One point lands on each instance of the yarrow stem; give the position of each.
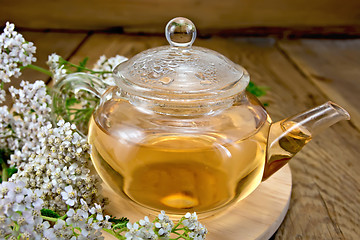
(38, 68)
(82, 68)
(178, 224)
(65, 62)
(4, 175)
(114, 233)
(50, 219)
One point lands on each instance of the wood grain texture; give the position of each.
(325, 198)
(256, 217)
(333, 66)
(112, 44)
(152, 15)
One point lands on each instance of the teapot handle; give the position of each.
(65, 93)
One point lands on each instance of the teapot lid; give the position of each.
(181, 71)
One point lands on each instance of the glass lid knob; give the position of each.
(180, 32)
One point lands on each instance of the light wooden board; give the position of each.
(324, 202)
(333, 66)
(152, 15)
(256, 217)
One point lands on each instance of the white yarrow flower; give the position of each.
(108, 65)
(132, 233)
(98, 211)
(164, 224)
(58, 71)
(69, 195)
(198, 230)
(191, 220)
(15, 52)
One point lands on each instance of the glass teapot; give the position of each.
(178, 132)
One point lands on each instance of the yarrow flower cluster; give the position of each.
(54, 173)
(6, 132)
(198, 230)
(164, 225)
(31, 112)
(103, 68)
(107, 65)
(56, 68)
(48, 187)
(15, 52)
(62, 169)
(22, 216)
(162, 228)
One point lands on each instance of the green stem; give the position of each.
(50, 219)
(79, 109)
(113, 233)
(120, 230)
(184, 228)
(39, 69)
(178, 224)
(17, 227)
(181, 236)
(85, 68)
(185, 237)
(4, 175)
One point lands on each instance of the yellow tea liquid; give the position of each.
(287, 138)
(177, 172)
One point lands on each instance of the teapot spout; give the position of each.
(288, 136)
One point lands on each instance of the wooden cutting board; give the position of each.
(256, 217)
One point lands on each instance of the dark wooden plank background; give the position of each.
(210, 16)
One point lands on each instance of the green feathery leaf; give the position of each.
(71, 101)
(83, 63)
(258, 91)
(49, 213)
(118, 223)
(11, 171)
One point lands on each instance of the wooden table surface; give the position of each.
(300, 74)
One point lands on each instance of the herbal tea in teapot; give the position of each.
(178, 169)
